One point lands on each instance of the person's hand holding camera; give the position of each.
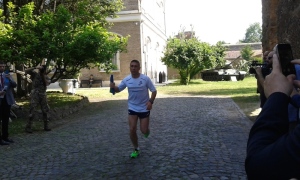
(276, 81)
(258, 70)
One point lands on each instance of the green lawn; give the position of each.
(55, 99)
(242, 92)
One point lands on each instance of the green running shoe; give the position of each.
(135, 154)
(147, 134)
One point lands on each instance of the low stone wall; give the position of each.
(54, 113)
(59, 113)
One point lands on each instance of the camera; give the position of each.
(255, 64)
(285, 55)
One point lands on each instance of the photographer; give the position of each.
(261, 73)
(273, 152)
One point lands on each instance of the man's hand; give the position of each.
(112, 85)
(260, 78)
(276, 81)
(149, 105)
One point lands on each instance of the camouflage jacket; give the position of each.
(38, 82)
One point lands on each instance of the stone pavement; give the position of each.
(195, 137)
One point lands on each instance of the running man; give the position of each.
(139, 103)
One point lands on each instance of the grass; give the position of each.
(242, 92)
(55, 99)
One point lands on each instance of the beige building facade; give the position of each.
(144, 22)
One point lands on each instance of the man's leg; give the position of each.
(132, 121)
(46, 122)
(2, 112)
(5, 119)
(32, 108)
(29, 121)
(45, 109)
(144, 126)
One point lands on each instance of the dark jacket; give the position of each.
(272, 151)
(9, 96)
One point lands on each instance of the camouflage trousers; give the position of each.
(38, 99)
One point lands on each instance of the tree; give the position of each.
(253, 33)
(219, 54)
(222, 42)
(69, 41)
(189, 56)
(247, 53)
(91, 9)
(17, 40)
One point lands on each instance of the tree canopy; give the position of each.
(71, 37)
(219, 54)
(190, 56)
(247, 53)
(253, 33)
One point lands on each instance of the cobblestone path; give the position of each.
(191, 138)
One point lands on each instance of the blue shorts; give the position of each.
(139, 114)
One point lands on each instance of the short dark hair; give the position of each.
(2, 62)
(136, 61)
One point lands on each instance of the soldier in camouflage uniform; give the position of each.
(40, 81)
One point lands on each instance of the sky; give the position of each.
(213, 20)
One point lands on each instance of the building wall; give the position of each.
(144, 22)
(173, 73)
(239, 47)
(153, 44)
(133, 52)
(234, 50)
(131, 5)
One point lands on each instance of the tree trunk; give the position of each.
(22, 85)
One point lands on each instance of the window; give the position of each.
(116, 61)
(114, 64)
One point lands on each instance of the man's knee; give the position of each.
(132, 129)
